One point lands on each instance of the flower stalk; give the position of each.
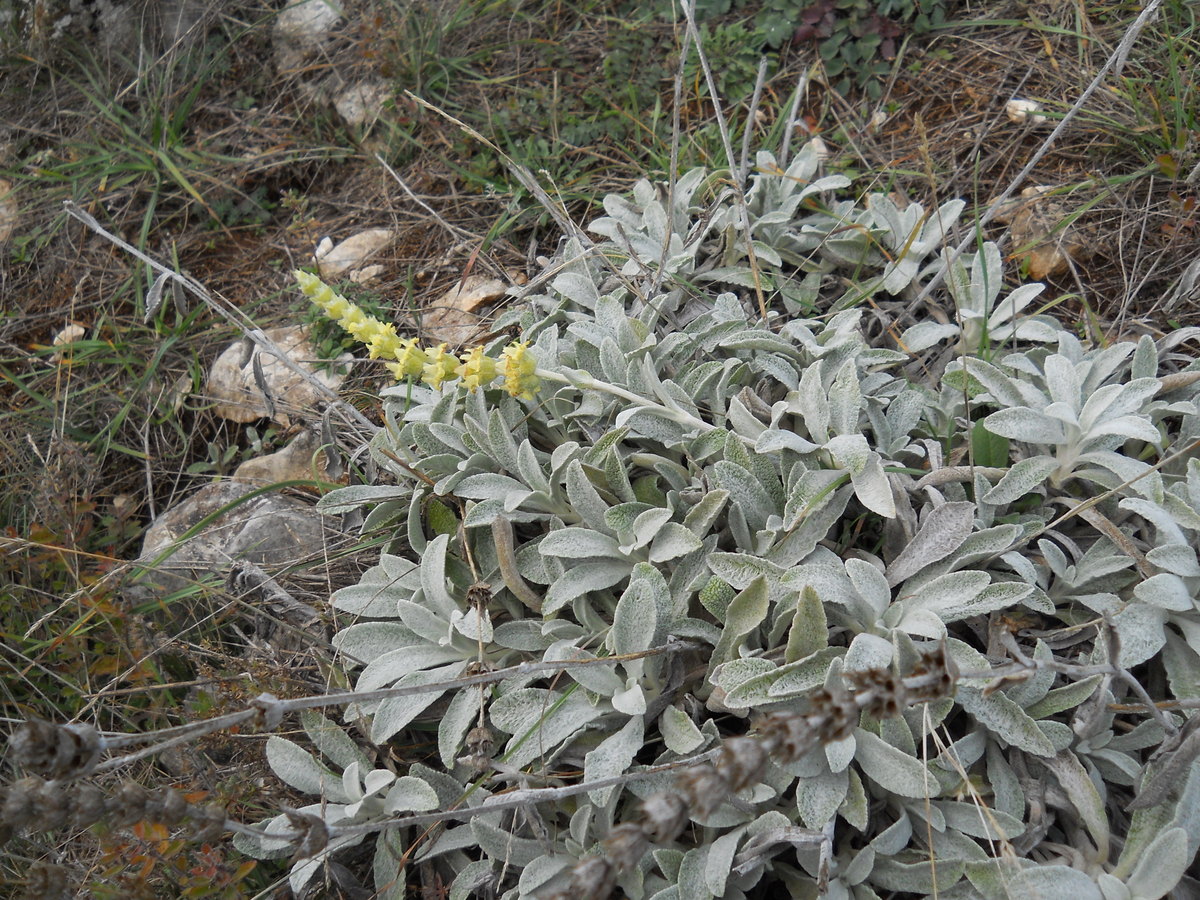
(517, 367)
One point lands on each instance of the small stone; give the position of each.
(301, 27)
(1024, 112)
(299, 460)
(292, 397)
(362, 103)
(335, 261)
(454, 318)
(69, 335)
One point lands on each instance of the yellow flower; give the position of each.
(383, 343)
(410, 360)
(476, 369)
(519, 369)
(358, 323)
(439, 366)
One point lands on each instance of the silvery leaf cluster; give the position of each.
(765, 507)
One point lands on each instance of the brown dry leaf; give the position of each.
(1034, 222)
(454, 318)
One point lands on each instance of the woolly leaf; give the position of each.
(612, 757)
(891, 769)
(679, 732)
(296, 766)
(1021, 479)
(941, 533)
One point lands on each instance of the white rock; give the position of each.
(302, 458)
(69, 335)
(366, 275)
(362, 103)
(455, 318)
(1024, 112)
(271, 530)
(231, 381)
(301, 27)
(351, 253)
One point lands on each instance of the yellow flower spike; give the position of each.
(476, 369)
(439, 366)
(519, 368)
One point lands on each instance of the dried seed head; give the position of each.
(312, 834)
(626, 845)
(665, 816)
(785, 736)
(128, 804)
(593, 878)
(880, 693)
(834, 714)
(48, 882)
(742, 762)
(933, 677)
(479, 595)
(89, 805)
(53, 807)
(704, 789)
(56, 751)
(21, 802)
(480, 741)
(268, 711)
(208, 823)
(167, 806)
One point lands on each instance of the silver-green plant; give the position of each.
(703, 517)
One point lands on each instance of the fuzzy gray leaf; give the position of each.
(1021, 479)
(892, 769)
(612, 757)
(941, 533)
(297, 767)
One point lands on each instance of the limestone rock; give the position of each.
(302, 458)
(454, 319)
(269, 530)
(335, 261)
(361, 104)
(288, 398)
(302, 27)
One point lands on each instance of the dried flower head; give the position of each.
(742, 762)
(626, 845)
(834, 713)
(312, 834)
(665, 815)
(704, 789)
(208, 823)
(785, 736)
(593, 878)
(57, 751)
